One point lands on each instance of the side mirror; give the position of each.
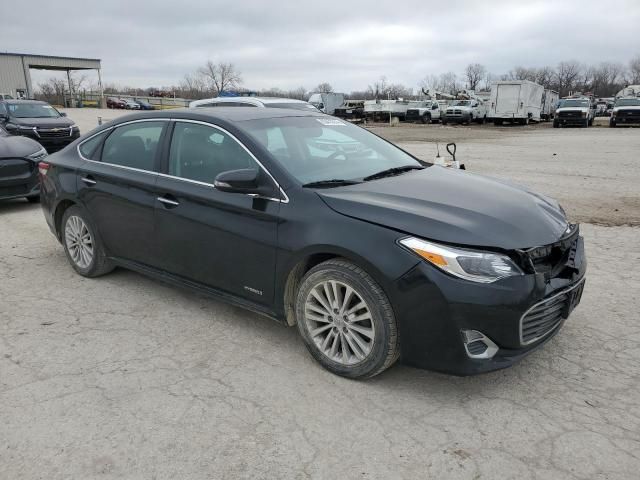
(247, 180)
(63, 114)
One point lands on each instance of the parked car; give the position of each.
(144, 105)
(113, 102)
(626, 111)
(19, 159)
(579, 111)
(327, 102)
(465, 111)
(516, 101)
(5, 96)
(316, 222)
(428, 111)
(261, 102)
(39, 121)
(130, 104)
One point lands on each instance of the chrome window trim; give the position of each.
(284, 199)
(545, 300)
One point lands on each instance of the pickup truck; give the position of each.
(578, 111)
(626, 111)
(465, 111)
(428, 111)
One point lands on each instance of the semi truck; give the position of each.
(516, 101)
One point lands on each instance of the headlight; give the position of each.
(482, 267)
(75, 127)
(39, 155)
(584, 114)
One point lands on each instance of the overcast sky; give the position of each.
(347, 43)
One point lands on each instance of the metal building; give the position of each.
(15, 77)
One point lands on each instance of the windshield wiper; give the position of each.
(330, 183)
(390, 172)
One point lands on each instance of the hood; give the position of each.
(50, 122)
(572, 109)
(17, 147)
(453, 206)
(629, 107)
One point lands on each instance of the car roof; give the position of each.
(20, 102)
(230, 114)
(251, 100)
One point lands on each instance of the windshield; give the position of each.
(574, 103)
(292, 105)
(462, 103)
(628, 102)
(315, 149)
(32, 110)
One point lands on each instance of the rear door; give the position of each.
(224, 240)
(117, 185)
(508, 98)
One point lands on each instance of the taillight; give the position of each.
(43, 168)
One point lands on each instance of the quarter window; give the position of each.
(90, 149)
(133, 145)
(199, 152)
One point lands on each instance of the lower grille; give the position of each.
(541, 319)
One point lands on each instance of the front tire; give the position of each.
(556, 124)
(346, 321)
(81, 244)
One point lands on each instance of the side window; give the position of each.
(199, 152)
(133, 145)
(90, 149)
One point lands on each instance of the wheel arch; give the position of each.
(305, 261)
(61, 207)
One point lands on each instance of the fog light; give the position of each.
(478, 345)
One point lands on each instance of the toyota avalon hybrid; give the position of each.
(373, 254)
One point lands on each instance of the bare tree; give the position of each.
(324, 88)
(566, 75)
(474, 73)
(220, 76)
(634, 71)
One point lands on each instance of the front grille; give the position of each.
(541, 319)
(570, 114)
(54, 132)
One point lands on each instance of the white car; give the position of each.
(261, 102)
(625, 112)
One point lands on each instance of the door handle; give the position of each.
(168, 203)
(88, 180)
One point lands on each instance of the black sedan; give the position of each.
(39, 121)
(19, 159)
(372, 253)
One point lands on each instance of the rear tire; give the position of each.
(426, 118)
(82, 245)
(346, 321)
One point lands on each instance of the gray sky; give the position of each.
(348, 43)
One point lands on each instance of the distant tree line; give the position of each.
(603, 79)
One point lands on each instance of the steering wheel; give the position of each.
(336, 154)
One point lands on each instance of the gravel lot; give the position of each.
(124, 377)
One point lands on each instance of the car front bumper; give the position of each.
(436, 312)
(19, 187)
(572, 120)
(459, 118)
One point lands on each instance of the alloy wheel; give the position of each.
(339, 322)
(79, 241)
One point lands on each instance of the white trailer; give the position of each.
(549, 102)
(385, 109)
(516, 101)
(327, 102)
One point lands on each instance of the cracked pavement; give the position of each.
(125, 377)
